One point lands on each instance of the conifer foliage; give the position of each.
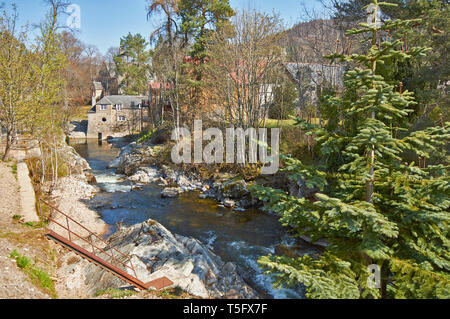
(374, 206)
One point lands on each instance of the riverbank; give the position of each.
(221, 244)
(31, 265)
(157, 252)
(142, 164)
(192, 267)
(14, 236)
(239, 236)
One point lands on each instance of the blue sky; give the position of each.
(103, 22)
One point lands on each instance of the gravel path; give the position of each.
(14, 283)
(55, 260)
(27, 195)
(10, 200)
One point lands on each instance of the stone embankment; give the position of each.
(72, 193)
(27, 195)
(77, 130)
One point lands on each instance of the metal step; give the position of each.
(157, 284)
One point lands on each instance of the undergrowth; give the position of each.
(38, 276)
(115, 293)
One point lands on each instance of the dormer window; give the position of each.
(119, 107)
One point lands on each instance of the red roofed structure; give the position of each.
(160, 107)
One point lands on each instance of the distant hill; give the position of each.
(308, 42)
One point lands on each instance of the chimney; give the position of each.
(94, 99)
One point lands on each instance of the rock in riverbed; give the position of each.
(136, 161)
(156, 253)
(145, 175)
(171, 192)
(229, 203)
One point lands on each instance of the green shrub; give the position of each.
(284, 102)
(35, 225)
(42, 277)
(23, 262)
(146, 136)
(14, 254)
(14, 169)
(38, 276)
(294, 141)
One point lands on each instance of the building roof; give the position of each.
(316, 73)
(155, 85)
(241, 75)
(126, 100)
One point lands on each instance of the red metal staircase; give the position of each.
(117, 264)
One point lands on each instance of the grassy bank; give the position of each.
(81, 113)
(37, 275)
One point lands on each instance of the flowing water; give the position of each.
(239, 237)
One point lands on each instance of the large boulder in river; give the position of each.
(171, 192)
(145, 175)
(132, 157)
(234, 188)
(157, 253)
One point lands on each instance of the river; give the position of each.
(239, 237)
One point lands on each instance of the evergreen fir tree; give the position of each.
(378, 208)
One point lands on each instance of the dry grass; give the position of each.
(73, 260)
(174, 293)
(81, 113)
(273, 123)
(40, 278)
(24, 235)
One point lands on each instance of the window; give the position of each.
(104, 119)
(103, 107)
(122, 118)
(119, 107)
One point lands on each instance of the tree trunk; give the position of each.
(56, 160)
(42, 163)
(370, 183)
(8, 145)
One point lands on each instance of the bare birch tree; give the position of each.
(15, 77)
(168, 66)
(246, 63)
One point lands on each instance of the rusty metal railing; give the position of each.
(89, 241)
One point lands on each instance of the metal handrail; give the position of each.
(70, 232)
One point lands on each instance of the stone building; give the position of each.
(98, 92)
(118, 116)
(310, 78)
